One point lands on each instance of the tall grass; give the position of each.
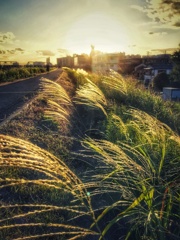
(91, 96)
(58, 101)
(40, 171)
(144, 184)
(130, 189)
(89, 100)
(140, 165)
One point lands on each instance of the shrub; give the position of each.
(12, 74)
(2, 76)
(23, 72)
(160, 80)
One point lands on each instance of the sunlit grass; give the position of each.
(114, 85)
(58, 101)
(146, 190)
(49, 173)
(91, 96)
(128, 184)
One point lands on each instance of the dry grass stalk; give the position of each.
(52, 174)
(91, 96)
(114, 83)
(58, 101)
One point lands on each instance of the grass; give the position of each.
(144, 173)
(49, 173)
(120, 182)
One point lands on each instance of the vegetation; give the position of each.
(8, 75)
(101, 162)
(160, 80)
(175, 74)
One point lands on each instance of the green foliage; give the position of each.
(2, 76)
(176, 57)
(175, 74)
(19, 72)
(23, 72)
(160, 80)
(146, 142)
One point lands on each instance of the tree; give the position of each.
(175, 74)
(160, 80)
(176, 57)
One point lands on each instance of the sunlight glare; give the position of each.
(99, 29)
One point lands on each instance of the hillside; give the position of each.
(91, 157)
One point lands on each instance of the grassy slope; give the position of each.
(127, 162)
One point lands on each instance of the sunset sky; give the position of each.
(32, 30)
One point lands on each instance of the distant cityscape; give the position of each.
(142, 67)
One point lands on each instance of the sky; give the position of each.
(33, 30)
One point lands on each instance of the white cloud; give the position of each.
(155, 34)
(11, 51)
(139, 8)
(45, 52)
(63, 52)
(7, 37)
(163, 12)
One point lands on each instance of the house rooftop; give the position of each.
(161, 66)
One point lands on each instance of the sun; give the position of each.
(100, 29)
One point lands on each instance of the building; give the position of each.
(103, 62)
(170, 93)
(67, 61)
(154, 69)
(151, 66)
(82, 61)
(128, 63)
(113, 60)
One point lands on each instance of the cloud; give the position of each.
(19, 49)
(177, 24)
(157, 33)
(133, 45)
(45, 52)
(2, 52)
(139, 8)
(6, 37)
(165, 12)
(63, 51)
(12, 51)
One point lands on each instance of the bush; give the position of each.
(12, 74)
(160, 80)
(23, 72)
(2, 76)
